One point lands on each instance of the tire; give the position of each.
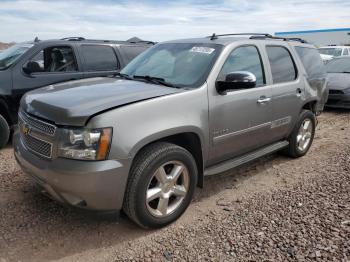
(4, 132)
(143, 180)
(295, 148)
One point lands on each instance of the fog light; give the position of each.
(78, 154)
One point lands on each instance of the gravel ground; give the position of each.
(275, 209)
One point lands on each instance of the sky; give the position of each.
(22, 20)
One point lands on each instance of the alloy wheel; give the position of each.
(304, 135)
(167, 188)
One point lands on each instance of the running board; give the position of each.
(229, 164)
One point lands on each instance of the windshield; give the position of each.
(340, 65)
(10, 55)
(179, 64)
(330, 51)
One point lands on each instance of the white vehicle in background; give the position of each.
(326, 58)
(329, 52)
(335, 50)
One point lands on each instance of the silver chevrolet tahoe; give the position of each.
(142, 141)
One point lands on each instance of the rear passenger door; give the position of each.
(99, 60)
(287, 90)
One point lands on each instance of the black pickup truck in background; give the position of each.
(30, 65)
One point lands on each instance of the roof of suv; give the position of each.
(206, 40)
(334, 46)
(227, 39)
(83, 40)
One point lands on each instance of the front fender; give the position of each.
(167, 133)
(139, 124)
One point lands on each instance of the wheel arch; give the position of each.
(189, 140)
(5, 112)
(310, 105)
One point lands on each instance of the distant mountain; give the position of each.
(5, 45)
(138, 40)
(134, 39)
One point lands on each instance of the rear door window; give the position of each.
(99, 58)
(312, 62)
(282, 65)
(346, 52)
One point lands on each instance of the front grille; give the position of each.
(37, 146)
(42, 126)
(36, 134)
(336, 92)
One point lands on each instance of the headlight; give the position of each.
(85, 144)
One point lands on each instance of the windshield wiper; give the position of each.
(155, 80)
(346, 72)
(125, 76)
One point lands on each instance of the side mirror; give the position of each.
(27, 70)
(31, 67)
(236, 80)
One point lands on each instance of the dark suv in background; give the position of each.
(31, 65)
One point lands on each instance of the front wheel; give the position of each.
(161, 185)
(4, 132)
(303, 134)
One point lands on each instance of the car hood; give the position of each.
(73, 103)
(338, 81)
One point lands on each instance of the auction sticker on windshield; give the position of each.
(202, 49)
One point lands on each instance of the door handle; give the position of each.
(264, 100)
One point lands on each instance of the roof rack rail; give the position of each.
(215, 36)
(73, 38)
(259, 36)
(297, 39)
(279, 38)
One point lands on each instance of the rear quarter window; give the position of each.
(130, 52)
(312, 62)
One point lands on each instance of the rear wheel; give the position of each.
(161, 185)
(4, 132)
(303, 134)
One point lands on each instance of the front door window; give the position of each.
(53, 59)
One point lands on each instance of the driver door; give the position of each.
(42, 74)
(240, 119)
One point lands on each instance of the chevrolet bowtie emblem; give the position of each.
(25, 129)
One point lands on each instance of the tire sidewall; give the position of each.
(144, 216)
(304, 115)
(4, 132)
